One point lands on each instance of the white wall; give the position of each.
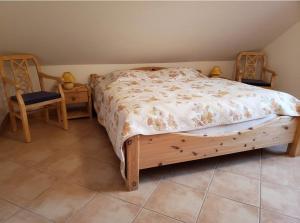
(284, 57)
(82, 72)
(110, 32)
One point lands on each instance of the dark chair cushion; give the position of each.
(260, 83)
(36, 97)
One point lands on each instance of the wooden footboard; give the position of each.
(156, 150)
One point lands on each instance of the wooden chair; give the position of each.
(251, 68)
(18, 67)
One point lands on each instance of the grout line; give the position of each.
(82, 207)
(279, 213)
(184, 185)
(140, 210)
(108, 194)
(27, 207)
(18, 211)
(208, 187)
(222, 196)
(30, 211)
(144, 204)
(164, 215)
(239, 174)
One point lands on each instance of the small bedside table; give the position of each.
(78, 101)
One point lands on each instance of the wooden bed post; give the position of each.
(294, 147)
(132, 162)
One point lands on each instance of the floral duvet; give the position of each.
(133, 102)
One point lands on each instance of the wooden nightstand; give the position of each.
(78, 101)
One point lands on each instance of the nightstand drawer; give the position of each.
(76, 97)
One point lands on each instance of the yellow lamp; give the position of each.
(215, 72)
(69, 80)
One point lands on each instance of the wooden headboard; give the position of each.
(149, 68)
(94, 76)
(155, 68)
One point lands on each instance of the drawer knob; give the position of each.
(73, 98)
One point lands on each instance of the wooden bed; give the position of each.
(144, 151)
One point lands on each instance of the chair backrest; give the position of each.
(250, 65)
(17, 68)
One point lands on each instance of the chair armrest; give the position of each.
(47, 76)
(273, 75)
(20, 98)
(270, 71)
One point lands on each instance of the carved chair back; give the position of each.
(17, 68)
(249, 65)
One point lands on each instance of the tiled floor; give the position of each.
(73, 176)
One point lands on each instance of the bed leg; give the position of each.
(294, 147)
(132, 162)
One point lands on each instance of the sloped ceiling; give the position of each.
(140, 32)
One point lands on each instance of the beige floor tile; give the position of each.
(197, 174)
(24, 185)
(33, 156)
(106, 210)
(96, 148)
(61, 201)
(8, 169)
(7, 148)
(246, 163)
(147, 216)
(60, 137)
(84, 155)
(272, 217)
(98, 175)
(62, 166)
(281, 169)
(221, 210)
(86, 127)
(281, 199)
(27, 217)
(7, 210)
(147, 185)
(177, 201)
(236, 187)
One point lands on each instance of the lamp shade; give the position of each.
(69, 80)
(216, 71)
(68, 77)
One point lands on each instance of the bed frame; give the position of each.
(144, 152)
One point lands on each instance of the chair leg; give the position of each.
(25, 123)
(64, 114)
(12, 117)
(58, 110)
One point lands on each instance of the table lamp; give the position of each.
(215, 72)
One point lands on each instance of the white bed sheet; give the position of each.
(237, 127)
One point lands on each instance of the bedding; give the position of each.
(222, 130)
(133, 102)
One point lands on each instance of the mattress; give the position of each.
(237, 127)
